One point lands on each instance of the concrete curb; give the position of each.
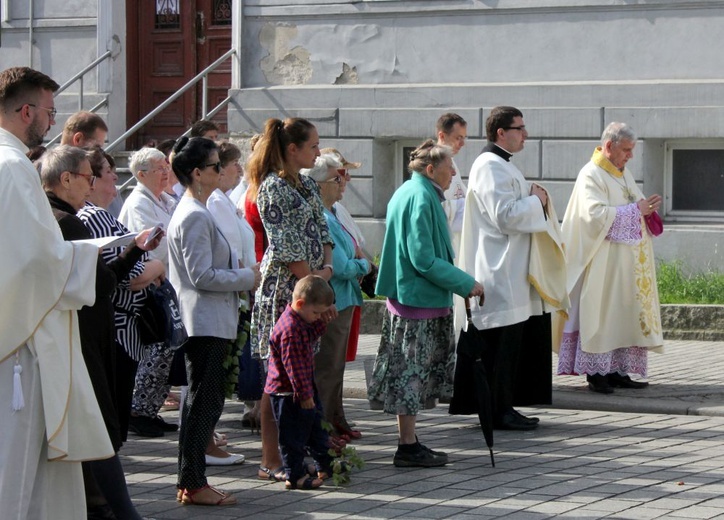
(680, 322)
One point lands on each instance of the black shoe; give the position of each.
(144, 426)
(599, 383)
(100, 512)
(616, 380)
(166, 427)
(440, 454)
(511, 421)
(415, 455)
(529, 420)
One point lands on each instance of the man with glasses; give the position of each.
(502, 210)
(52, 422)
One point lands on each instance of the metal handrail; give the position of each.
(174, 97)
(187, 132)
(83, 72)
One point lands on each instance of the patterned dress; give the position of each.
(297, 231)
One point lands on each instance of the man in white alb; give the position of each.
(43, 281)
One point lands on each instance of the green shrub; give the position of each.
(676, 285)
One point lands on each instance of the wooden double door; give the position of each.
(169, 42)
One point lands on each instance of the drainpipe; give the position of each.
(30, 33)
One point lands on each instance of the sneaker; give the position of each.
(166, 427)
(435, 453)
(144, 426)
(418, 456)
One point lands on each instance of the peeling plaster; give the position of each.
(348, 76)
(284, 66)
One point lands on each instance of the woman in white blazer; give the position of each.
(208, 285)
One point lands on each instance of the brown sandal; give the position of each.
(224, 499)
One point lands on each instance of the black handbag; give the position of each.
(159, 320)
(369, 281)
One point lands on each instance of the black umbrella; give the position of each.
(471, 393)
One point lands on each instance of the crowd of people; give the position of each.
(267, 263)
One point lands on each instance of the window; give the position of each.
(168, 14)
(404, 149)
(695, 179)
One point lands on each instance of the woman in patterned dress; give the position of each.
(299, 242)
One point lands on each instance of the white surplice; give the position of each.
(43, 281)
(500, 215)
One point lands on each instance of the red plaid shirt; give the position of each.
(291, 358)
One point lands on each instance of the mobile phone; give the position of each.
(157, 230)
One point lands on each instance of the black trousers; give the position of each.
(202, 409)
(518, 362)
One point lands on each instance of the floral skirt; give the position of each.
(415, 364)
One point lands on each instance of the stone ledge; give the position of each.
(680, 322)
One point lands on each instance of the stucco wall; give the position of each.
(65, 38)
(375, 75)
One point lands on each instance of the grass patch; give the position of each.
(676, 285)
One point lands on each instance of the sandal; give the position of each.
(277, 475)
(218, 499)
(220, 439)
(307, 484)
(344, 468)
(179, 495)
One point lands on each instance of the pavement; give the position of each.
(635, 454)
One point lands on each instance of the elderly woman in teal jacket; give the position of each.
(348, 265)
(415, 360)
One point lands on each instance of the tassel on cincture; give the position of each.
(18, 399)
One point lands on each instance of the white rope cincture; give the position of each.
(18, 399)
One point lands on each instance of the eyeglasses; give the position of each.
(51, 111)
(91, 178)
(521, 128)
(216, 166)
(336, 179)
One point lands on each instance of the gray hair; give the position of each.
(428, 153)
(141, 160)
(320, 171)
(617, 132)
(60, 159)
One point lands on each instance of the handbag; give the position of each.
(654, 223)
(159, 320)
(369, 281)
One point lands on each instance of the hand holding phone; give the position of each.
(153, 234)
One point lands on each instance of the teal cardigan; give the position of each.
(346, 267)
(416, 267)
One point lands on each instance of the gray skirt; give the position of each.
(415, 364)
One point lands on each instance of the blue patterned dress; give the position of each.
(294, 222)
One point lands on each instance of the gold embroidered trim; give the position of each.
(649, 318)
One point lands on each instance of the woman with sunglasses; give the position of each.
(208, 285)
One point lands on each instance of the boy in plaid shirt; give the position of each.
(290, 382)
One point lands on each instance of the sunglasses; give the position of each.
(216, 166)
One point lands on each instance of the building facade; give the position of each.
(374, 75)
